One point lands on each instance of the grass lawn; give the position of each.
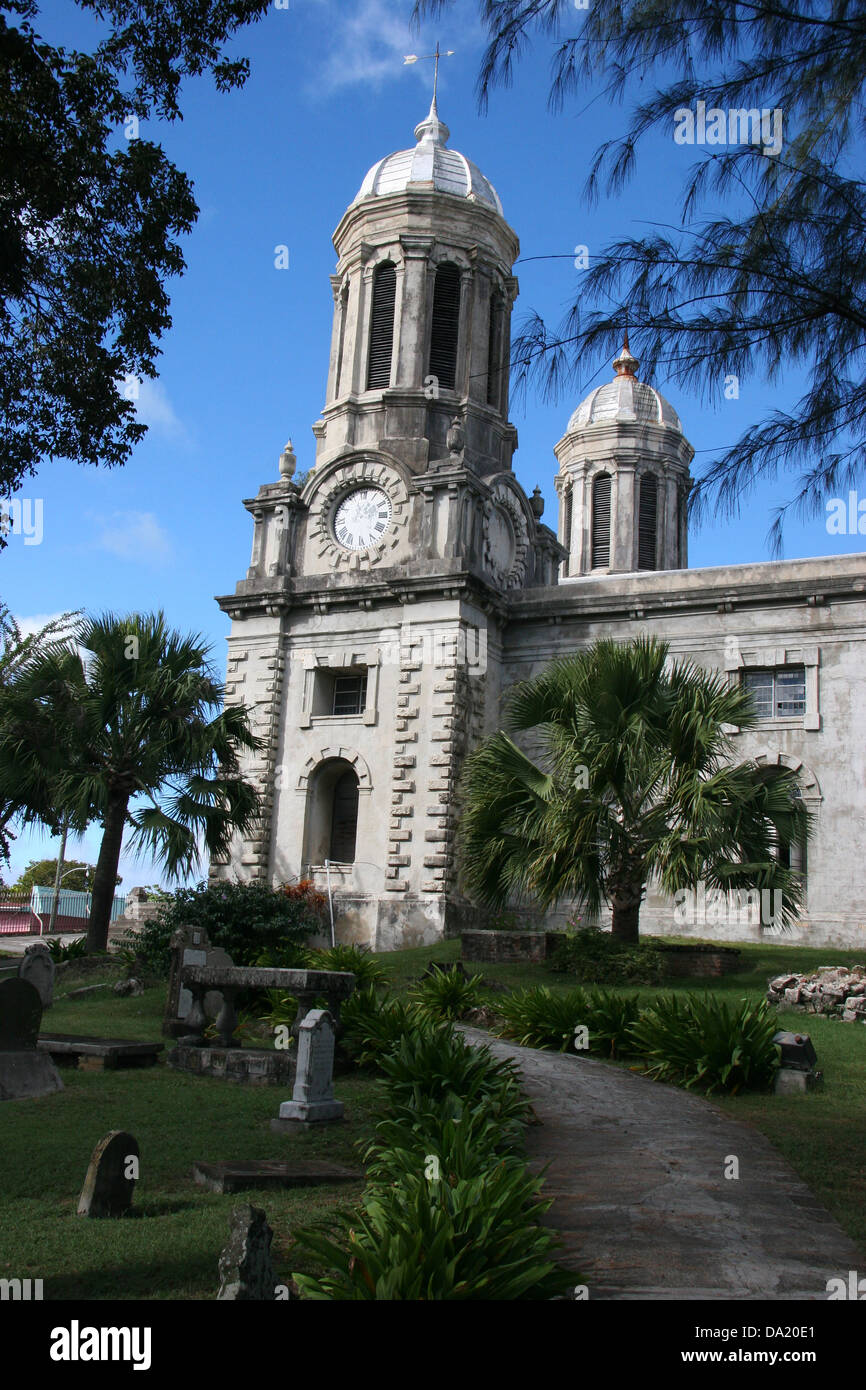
(169, 1247)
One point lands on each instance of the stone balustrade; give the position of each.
(305, 985)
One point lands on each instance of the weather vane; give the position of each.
(422, 57)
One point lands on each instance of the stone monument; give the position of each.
(38, 967)
(24, 1071)
(190, 946)
(313, 1096)
(111, 1176)
(245, 1269)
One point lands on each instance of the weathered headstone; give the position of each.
(111, 1176)
(190, 946)
(245, 1269)
(313, 1094)
(38, 967)
(24, 1072)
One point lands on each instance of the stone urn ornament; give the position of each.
(455, 438)
(288, 462)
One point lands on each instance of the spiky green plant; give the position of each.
(709, 1043)
(538, 1018)
(446, 994)
(358, 960)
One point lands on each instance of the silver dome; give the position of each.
(625, 398)
(431, 165)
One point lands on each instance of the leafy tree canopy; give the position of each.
(89, 221)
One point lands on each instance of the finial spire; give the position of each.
(625, 364)
(432, 127)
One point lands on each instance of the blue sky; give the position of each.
(245, 362)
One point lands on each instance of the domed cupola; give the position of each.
(624, 479)
(430, 165)
(423, 293)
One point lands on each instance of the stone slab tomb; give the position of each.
(24, 1071)
(98, 1054)
(313, 1096)
(241, 1176)
(111, 1177)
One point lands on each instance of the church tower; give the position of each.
(624, 479)
(367, 634)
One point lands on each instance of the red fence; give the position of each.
(17, 918)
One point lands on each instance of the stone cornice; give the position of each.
(781, 583)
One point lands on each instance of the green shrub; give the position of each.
(243, 918)
(72, 950)
(704, 1042)
(373, 1025)
(610, 1020)
(446, 994)
(594, 957)
(356, 959)
(289, 956)
(477, 1239)
(433, 1064)
(451, 1212)
(538, 1018)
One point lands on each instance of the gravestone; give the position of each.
(24, 1072)
(190, 946)
(111, 1176)
(38, 967)
(313, 1096)
(245, 1269)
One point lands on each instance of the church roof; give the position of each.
(625, 398)
(430, 164)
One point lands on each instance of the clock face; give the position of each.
(362, 518)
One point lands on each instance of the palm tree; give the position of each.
(17, 652)
(636, 781)
(124, 726)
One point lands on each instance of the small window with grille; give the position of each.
(777, 693)
(350, 695)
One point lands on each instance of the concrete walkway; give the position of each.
(636, 1170)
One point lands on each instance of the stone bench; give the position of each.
(305, 985)
(98, 1054)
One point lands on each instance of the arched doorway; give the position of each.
(332, 814)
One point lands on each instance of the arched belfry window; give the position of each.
(647, 524)
(382, 326)
(601, 522)
(445, 326)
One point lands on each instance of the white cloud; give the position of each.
(39, 620)
(154, 409)
(133, 536)
(370, 39)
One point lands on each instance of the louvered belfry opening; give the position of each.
(601, 522)
(494, 353)
(445, 326)
(382, 326)
(647, 524)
